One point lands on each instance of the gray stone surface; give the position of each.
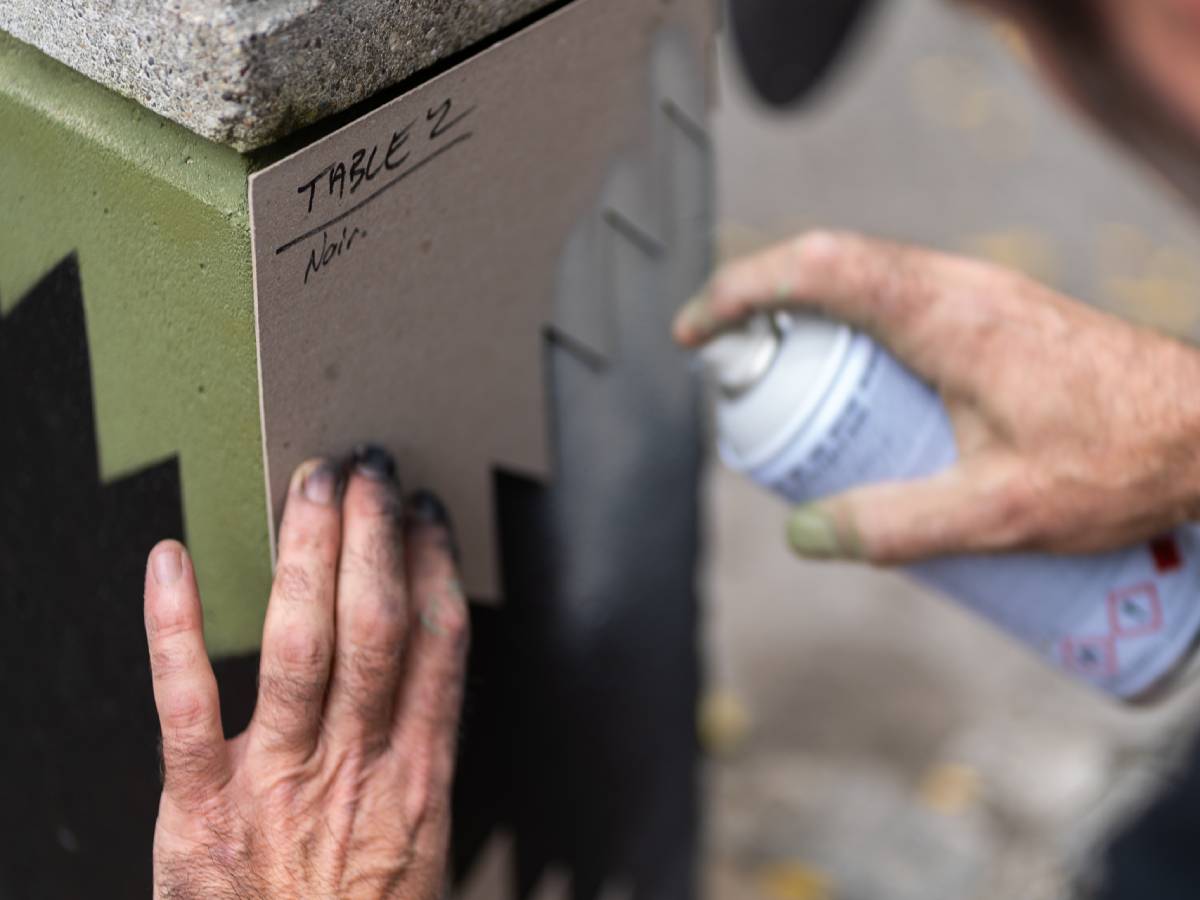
(246, 72)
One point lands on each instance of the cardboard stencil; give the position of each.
(406, 266)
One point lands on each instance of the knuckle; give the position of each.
(420, 795)
(1014, 514)
(999, 296)
(368, 667)
(444, 612)
(184, 711)
(455, 620)
(821, 247)
(833, 257)
(163, 623)
(377, 623)
(305, 650)
(171, 658)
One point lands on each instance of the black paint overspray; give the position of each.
(79, 764)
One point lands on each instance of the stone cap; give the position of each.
(247, 72)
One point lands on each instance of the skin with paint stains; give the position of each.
(1077, 431)
(340, 787)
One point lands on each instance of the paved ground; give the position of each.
(871, 742)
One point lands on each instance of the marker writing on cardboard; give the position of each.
(331, 250)
(336, 177)
(345, 177)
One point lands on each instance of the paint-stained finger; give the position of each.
(978, 507)
(372, 606)
(298, 636)
(195, 758)
(431, 696)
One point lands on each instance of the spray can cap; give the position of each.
(772, 376)
(738, 360)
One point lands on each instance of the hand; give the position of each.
(1076, 431)
(340, 786)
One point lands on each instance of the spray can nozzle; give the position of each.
(739, 359)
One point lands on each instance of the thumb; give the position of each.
(963, 510)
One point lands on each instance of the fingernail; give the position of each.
(374, 462)
(426, 508)
(168, 565)
(813, 533)
(321, 484)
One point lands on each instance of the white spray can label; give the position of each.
(1120, 621)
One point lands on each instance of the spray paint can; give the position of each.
(808, 408)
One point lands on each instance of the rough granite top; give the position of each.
(247, 72)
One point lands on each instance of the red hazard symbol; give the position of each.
(1092, 656)
(1135, 611)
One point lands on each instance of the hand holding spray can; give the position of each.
(808, 408)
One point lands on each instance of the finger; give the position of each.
(431, 698)
(372, 606)
(975, 508)
(298, 636)
(892, 291)
(195, 758)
